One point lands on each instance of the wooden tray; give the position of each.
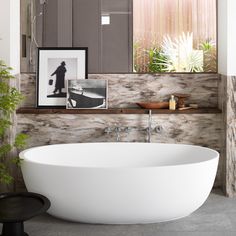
(153, 105)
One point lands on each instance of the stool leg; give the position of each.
(13, 229)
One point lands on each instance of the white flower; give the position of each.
(180, 55)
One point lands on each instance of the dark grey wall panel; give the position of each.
(115, 5)
(39, 22)
(77, 23)
(50, 25)
(116, 37)
(64, 23)
(86, 30)
(109, 45)
(115, 44)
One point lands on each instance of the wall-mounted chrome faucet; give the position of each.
(158, 129)
(127, 130)
(107, 130)
(149, 128)
(117, 130)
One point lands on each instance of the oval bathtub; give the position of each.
(121, 183)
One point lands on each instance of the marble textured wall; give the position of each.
(124, 91)
(127, 89)
(228, 104)
(231, 137)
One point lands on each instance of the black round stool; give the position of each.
(15, 208)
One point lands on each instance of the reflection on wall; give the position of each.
(103, 26)
(28, 46)
(126, 35)
(171, 35)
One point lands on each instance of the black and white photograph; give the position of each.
(59, 70)
(87, 94)
(55, 67)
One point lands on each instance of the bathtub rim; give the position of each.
(29, 160)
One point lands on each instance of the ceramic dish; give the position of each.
(154, 105)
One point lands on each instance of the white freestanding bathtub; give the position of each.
(121, 183)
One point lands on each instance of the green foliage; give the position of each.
(136, 56)
(20, 141)
(10, 98)
(17, 161)
(150, 60)
(156, 60)
(5, 177)
(5, 71)
(209, 50)
(4, 124)
(4, 149)
(207, 45)
(178, 54)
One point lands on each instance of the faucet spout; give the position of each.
(117, 131)
(149, 129)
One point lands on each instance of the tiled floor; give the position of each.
(217, 217)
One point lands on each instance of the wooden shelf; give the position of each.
(28, 110)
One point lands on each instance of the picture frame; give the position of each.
(87, 94)
(55, 67)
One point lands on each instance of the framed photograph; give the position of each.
(55, 67)
(87, 94)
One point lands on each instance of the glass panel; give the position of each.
(116, 36)
(124, 35)
(174, 35)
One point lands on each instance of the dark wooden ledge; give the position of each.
(29, 110)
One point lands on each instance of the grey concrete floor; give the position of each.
(217, 217)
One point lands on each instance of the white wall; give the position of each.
(10, 33)
(227, 37)
(222, 36)
(231, 42)
(5, 30)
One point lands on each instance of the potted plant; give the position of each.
(10, 98)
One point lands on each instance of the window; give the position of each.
(174, 35)
(140, 36)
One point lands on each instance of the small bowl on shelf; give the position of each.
(153, 105)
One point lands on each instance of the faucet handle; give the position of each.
(147, 129)
(127, 129)
(158, 129)
(118, 129)
(107, 130)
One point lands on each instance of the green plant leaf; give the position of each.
(10, 101)
(17, 161)
(4, 88)
(10, 98)
(4, 149)
(20, 141)
(4, 124)
(5, 177)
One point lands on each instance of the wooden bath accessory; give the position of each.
(181, 99)
(153, 105)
